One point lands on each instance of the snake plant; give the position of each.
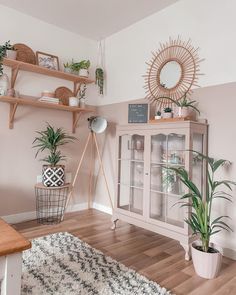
(200, 218)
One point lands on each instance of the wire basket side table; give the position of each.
(51, 203)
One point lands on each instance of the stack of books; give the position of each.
(49, 99)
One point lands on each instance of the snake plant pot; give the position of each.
(83, 72)
(183, 112)
(206, 265)
(167, 115)
(53, 176)
(11, 54)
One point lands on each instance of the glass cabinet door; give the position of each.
(131, 173)
(165, 187)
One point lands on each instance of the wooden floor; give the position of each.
(156, 257)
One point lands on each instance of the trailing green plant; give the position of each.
(3, 48)
(82, 91)
(50, 140)
(200, 218)
(184, 102)
(167, 110)
(100, 79)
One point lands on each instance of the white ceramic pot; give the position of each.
(183, 112)
(68, 70)
(206, 265)
(73, 101)
(157, 117)
(11, 54)
(83, 72)
(167, 115)
(82, 103)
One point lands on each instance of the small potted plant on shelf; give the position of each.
(84, 68)
(67, 68)
(10, 51)
(167, 113)
(158, 115)
(184, 105)
(53, 174)
(206, 257)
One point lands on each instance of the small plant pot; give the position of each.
(183, 112)
(11, 54)
(167, 115)
(83, 72)
(206, 265)
(68, 70)
(157, 117)
(53, 176)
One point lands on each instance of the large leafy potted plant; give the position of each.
(53, 174)
(206, 258)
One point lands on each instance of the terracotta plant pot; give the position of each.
(53, 176)
(11, 54)
(167, 115)
(206, 265)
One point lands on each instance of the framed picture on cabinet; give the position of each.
(138, 113)
(47, 60)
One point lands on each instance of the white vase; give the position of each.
(82, 103)
(83, 72)
(167, 115)
(68, 70)
(73, 101)
(206, 265)
(11, 54)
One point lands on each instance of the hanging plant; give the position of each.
(100, 79)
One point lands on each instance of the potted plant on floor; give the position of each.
(53, 174)
(206, 258)
(167, 113)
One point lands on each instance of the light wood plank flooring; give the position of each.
(157, 257)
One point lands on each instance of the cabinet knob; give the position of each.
(146, 173)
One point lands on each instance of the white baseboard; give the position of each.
(31, 215)
(102, 208)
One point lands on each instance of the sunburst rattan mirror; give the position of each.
(172, 72)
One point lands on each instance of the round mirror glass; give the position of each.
(170, 74)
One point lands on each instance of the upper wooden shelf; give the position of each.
(19, 65)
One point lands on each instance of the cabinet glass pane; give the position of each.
(197, 164)
(158, 148)
(130, 199)
(131, 173)
(176, 149)
(157, 206)
(131, 147)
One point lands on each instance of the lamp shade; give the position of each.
(97, 124)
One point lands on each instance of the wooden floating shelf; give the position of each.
(30, 101)
(19, 65)
(170, 120)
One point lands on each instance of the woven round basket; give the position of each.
(63, 93)
(25, 53)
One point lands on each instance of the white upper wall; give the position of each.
(41, 36)
(210, 25)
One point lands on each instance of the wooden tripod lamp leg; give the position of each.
(103, 171)
(78, 168)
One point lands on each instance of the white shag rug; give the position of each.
(61, 264)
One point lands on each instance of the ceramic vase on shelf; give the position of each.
(11, 54)
(73, 101)
(183, 112)
(82, 103)
(4, 84)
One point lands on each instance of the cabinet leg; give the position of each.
(114, 220)
(187, 251)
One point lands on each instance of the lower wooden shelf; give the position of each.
(14, 102)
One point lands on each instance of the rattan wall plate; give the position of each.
(63, 93)
(172, 72)
(25, 53)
